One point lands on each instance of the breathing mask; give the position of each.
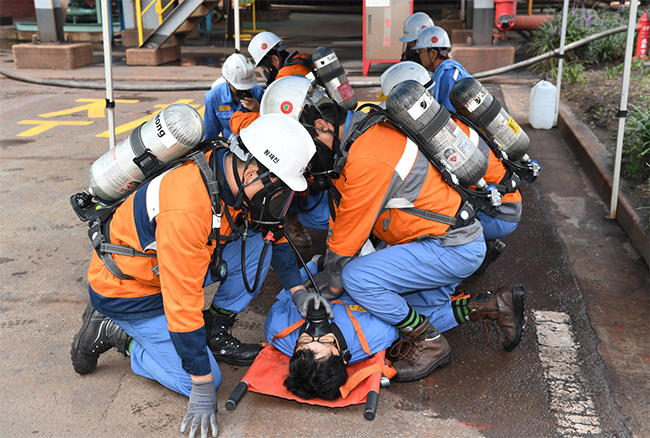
(317, 325)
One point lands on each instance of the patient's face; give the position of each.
(323, 347)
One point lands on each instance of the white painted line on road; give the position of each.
(558, 353)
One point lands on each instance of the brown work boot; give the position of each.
(420, 351)
(297, 232)
(506, 306)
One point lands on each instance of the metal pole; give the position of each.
(629, 44)
(108, 72)
(237, 30)
(565, 13)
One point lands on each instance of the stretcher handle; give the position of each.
(236, 396)
(371, 405)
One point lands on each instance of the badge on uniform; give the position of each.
(224, 108)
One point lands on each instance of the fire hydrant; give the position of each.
(643, 36)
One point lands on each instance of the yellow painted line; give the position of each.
(44, 125)
(95, 108)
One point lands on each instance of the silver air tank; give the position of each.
(333, 76)
(473, 101)
(410, 103)
(170, 134)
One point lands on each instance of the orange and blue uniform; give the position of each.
(172, 215)
(382, 175)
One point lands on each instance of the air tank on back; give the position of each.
(411, 104)
(170, 134)
(333, 76)
(472, 100)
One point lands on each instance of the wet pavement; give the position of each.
(582, 368)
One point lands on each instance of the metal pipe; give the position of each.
(237, 29)
(108, 73)
(625, 88)
(353, 84)
(560, 61)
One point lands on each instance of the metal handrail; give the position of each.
(159, 10)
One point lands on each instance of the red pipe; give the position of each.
(529, 22)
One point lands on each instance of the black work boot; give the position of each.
(506, 306)
(420, 351)
(494, 250)
(97, 335)
(224, 346)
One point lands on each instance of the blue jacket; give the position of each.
(284, 313)
(219, 106)
(444, 77)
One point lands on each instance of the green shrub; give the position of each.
(581, 23)
(636, 144)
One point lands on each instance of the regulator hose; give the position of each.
(353, 84)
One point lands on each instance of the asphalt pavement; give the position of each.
(582, 368)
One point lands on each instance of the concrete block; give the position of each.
(459, 36)
(130, 37)
(449, 25)
(159, 56)
(477, 59)
(55, 56)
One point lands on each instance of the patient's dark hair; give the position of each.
(309, 378)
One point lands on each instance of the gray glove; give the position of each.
(202, 408)
(321, 280)
(304, 299)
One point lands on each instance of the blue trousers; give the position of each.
(153, 354)
(316, 219)
(232, 294)
(494, 228)
(423, 275)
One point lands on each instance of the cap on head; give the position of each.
(286, 96)
(413, 25)
(239, 72)
(403, 71)
(261, 45)
(282, 145)
(433, 37)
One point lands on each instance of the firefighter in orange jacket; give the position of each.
(155, 315)
(387, 189)
(274, 62)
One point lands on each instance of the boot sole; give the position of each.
(437, 364)
(519, 313)
(88, 312)
(241, 363)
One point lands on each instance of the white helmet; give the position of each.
(261, 44)
(282, 145)
(433, 37)
(400, 72)
(286, 96)
(413, 25)
(239, 72)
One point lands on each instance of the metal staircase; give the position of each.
(179, 23)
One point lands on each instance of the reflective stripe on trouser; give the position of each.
(153, 355)
(495, 228)
(232, 294)
(422, 274)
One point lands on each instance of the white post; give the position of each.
(565, 13)
(625, 89)
(108, 72)
(235, 7)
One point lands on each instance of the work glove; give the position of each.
(304, 298)
(202, 408)
(321, 280)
